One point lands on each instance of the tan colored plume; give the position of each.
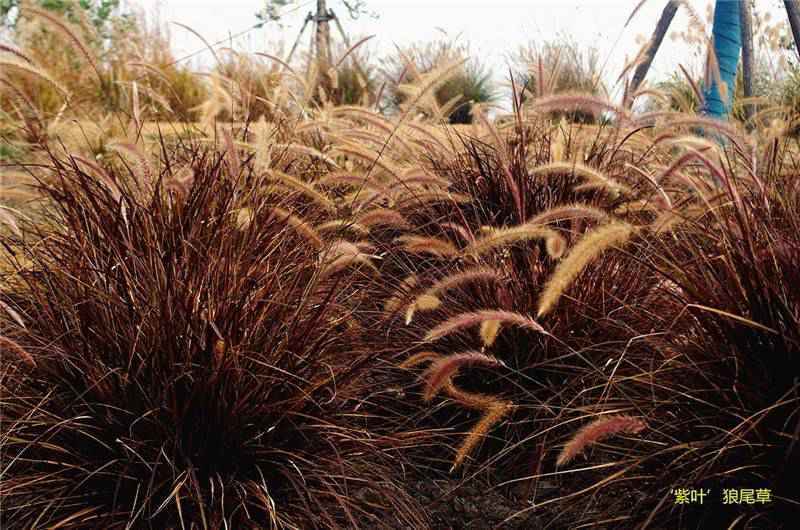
(590, 246)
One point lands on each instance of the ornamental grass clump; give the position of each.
(165, 365)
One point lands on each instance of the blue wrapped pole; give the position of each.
(727, 39)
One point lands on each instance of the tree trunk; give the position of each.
(655, 42)
(794, 21)
(323, 37)
(727, 43)
(747, 56)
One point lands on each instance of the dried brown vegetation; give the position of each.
(175, 368)
(284, 314)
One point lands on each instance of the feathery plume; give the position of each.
(414, 198)
(344, 261)
(427, 245)
(555, 246)
(445, 368)
(370, 157)
(304, 188)
(63, 27)
(419, 358)
(345, 225)
(33, 70)
(568, 212)
(12, 347)
(244, 218)
(428, 82)
(13, 314)
(423, 302)
(393, 303)
(489, 331)
(595, 178)
(232, 153)
(350, 179)
(598, 430)
(341, 255)
(463, 233)
(420, 177)
(141, 158)
(291, 148)
(102, 174)
(297, 223)
(591, 245)
(496, 238)
(569, 101)
(7, 219)
(429, 300)
(16, 52)
(465, 320)
(478, 274)
(493, 415)
(470, 400)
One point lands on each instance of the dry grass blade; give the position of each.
(633, 13)
(216, 349)
(202, 39)
(351, 49)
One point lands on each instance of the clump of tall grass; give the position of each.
(452, 100)
(524, 239)
(165, 364)
(688, 329)
(557, 66)
(729, 307)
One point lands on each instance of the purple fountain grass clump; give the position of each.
(177, 368)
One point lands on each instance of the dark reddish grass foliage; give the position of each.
(733, 301)
(714, 369)
(545, 369)
(696, 332)
(187, 373)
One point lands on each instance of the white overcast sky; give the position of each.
(493, 28)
